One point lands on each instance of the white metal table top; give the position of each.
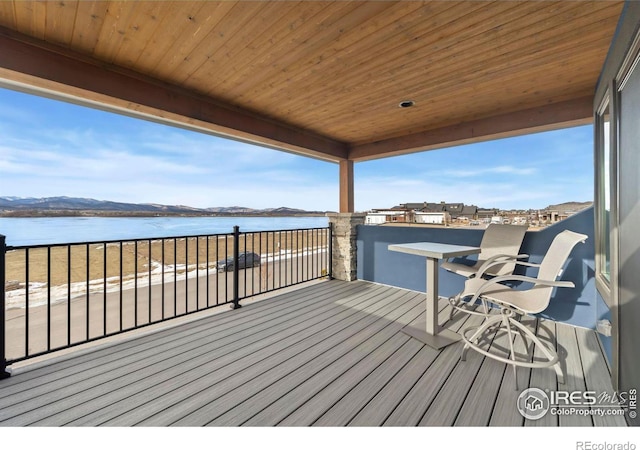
(434, 249)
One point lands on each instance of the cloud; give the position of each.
(219, 194)
(14, 113)
(385, 192)
(529, 171)
(211, 150)
(199, 171)
(84, 152)
(501, 170)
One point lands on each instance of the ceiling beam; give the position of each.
(48, 70)
(574, 112)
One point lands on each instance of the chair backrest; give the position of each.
(558, 253)
(501, 239)
(538, 297)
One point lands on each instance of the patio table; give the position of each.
(431, 333)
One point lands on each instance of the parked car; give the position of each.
(245, 260)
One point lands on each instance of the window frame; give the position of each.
(604, 283)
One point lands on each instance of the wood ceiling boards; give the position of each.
(321, 78)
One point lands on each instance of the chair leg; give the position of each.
(478, 332)
(453, 301)
(524, 342)
(551, 355)
(457, 304)
(485, 305)
(559, 372)
(512, 352)
(511, 325)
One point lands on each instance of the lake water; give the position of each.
(57, 230)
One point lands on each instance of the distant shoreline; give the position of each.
(64, 206)
(133, 214)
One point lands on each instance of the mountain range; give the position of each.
(18, 206)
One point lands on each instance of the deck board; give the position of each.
(382, 405)
(262, 353)
(447, 403)
(331, 393)
(343, 411)
(505, 412)
(146, 362)
(327, 354)
(574, 377)
(278, 402)
(99, 357)
(544, 378)
(478, 405)
(180, 355)
(328, 358)
(414, 405)
(596, 372)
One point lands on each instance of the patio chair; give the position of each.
(498, 253)
(514, 304)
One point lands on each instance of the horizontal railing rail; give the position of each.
(58, 296)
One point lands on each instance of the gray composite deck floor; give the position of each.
(329, 354)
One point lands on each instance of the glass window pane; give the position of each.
(605, 200)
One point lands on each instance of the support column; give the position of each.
(346, 186)
(344, 258)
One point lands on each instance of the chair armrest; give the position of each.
(499, 259)
(522, 263)
(536, 281)
(533, 280)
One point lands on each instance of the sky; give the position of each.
(51, 148)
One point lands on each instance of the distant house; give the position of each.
(548, 216)
(427, 212)
(438, 218)
(470, 211)
(375, 218)
(454, 209)
(412, 206)
(378, 216)
(434, 207)
(484, 214)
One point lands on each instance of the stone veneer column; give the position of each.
(344, 258)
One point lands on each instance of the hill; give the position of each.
(570, 206)
(73, 206)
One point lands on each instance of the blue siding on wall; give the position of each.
(575, 306)
(377, 263)
(603, 312)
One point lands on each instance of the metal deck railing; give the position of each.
(62, 295)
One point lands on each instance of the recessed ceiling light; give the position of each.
(406, 103)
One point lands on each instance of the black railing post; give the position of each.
(3, 359)
(236, 273)
(330, 250)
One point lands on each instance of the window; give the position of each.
(604, 197)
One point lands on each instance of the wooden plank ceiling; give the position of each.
(323, 79)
